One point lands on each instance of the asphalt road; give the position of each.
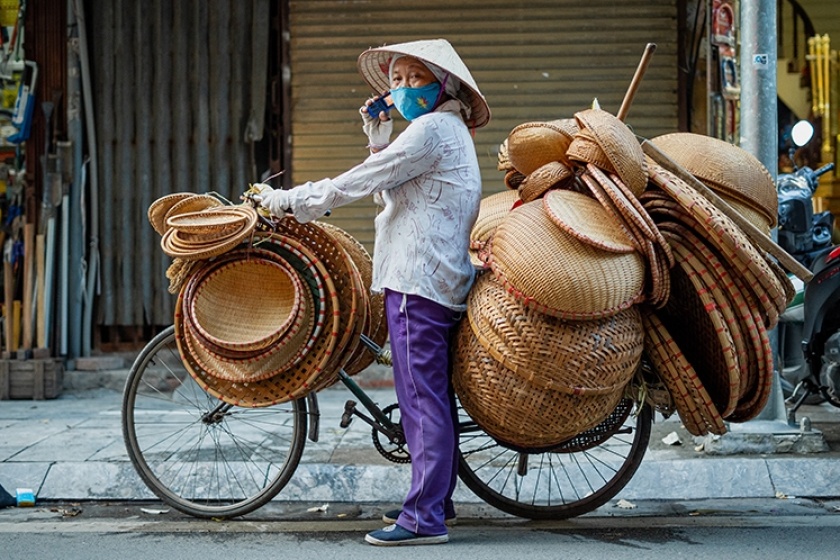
(756, 531)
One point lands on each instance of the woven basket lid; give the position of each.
(158, 209)
(592, 357)
(557, 274)
(711, 224)
(533, 144)
(553, 174)
(586, 219)
(197, 246)
(693, 403)
(619, 145)
(512, 410)
(374, 65)
(725, 168)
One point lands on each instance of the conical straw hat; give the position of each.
(374, 64)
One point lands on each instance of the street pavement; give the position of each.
(71, 449)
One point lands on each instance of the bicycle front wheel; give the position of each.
(198, 454)
(564, 481)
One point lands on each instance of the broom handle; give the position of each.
(637, 79)
(756, 235)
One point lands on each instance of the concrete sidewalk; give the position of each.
(71, 448)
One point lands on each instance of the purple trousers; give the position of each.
(421, 332)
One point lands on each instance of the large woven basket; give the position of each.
(247, 365)
(246, 304)
(714, 226)
(593, 357)
(514, 411)
(557, 274)
(314, 354)
(725, 168)
(348, 282)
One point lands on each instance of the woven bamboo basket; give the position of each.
(158, 209)
(711, 224)
(514, 411)
(619, 145)
(725, 168)
(314, 354)
(697, 319)
(553, 174)
(348, 282)
(532, 145)
(247, 304)
(757, 371)
(575, 280)
(593, 357)
(376, 327)
(692, 401)
(247, 364)
(585, 219)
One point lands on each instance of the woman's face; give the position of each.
(410, 72)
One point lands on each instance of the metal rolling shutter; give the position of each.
(534, 60)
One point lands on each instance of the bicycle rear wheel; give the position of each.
(564, 481)
(198, 454)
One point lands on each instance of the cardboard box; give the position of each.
(31, 379)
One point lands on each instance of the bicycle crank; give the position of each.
(394, 448)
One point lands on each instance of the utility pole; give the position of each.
(769, 432)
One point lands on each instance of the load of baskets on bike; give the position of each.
(603, 276)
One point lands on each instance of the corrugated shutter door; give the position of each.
(535, 60)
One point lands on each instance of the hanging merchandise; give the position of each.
(25, 104)
(725, 85)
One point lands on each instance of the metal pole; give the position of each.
(759, 136)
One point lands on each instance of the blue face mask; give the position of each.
(414, 102)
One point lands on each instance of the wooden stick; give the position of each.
(8, 303)
(637, 79)
(28, 283)
(756, 235)
(40, 264)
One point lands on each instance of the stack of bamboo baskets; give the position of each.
(598, 260)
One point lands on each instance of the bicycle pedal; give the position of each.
(347, 417)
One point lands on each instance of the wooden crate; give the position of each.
(31, 379)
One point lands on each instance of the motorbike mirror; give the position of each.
(801, 133)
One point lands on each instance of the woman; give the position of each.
(429, 184)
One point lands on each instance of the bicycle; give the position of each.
(211, 459)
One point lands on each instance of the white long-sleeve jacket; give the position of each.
(429, 183)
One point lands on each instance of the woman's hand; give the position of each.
(275, 201)
(378, 129)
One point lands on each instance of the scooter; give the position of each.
(809, 329)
